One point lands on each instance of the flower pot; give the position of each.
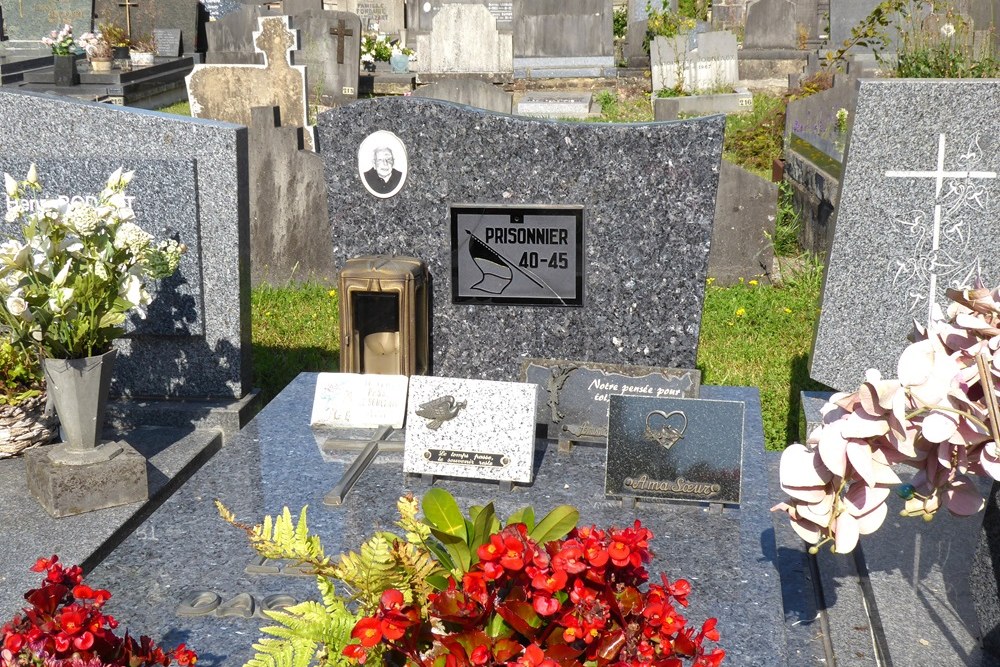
(79, 389)
(101, 64)
(120, 52)
(400, 63)
(142, 59)
(64, 71)
(368, 66)
(28, 424)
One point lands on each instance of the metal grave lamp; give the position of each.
(384, 316)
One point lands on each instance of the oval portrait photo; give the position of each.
(382, 163)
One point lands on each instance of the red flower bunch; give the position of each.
(562, 604)
(64, 627)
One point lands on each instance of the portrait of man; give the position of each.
(382, 163)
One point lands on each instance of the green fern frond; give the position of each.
(283, 538)
(282, 653)
(417, 531)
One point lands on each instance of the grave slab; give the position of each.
(472, 92)
(919, 199)
(629, 314)
(274, 461)
(555, 105)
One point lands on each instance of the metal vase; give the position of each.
(79, 388)
(64, 71)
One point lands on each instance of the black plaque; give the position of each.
(517, 255)
(168, 42)
(675, 449)
(575, 395)
(466, 458)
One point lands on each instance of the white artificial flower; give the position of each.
(115, 177)
(32, 174)
(18, 307)
(63, 274)
(85, 219)
(10, 185)
(947, 30)
(131, 237)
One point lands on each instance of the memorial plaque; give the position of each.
(517, 255)
(675, 449)
(574, 397)
(352, 400)
(168, 42)
(477, 429)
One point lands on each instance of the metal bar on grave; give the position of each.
(339, 492)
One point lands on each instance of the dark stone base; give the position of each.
(984, 579)
(65, 490)
(228, 416)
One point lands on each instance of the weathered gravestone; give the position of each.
(458, 156)
(229, 92)
(918, 209)
(195, 343)
(700, 62)
(27, 21)
(287, 205)
(388, 15)
(844, 16)
(555, 104)
(294, 8)
(230, 38)
(472, 92)
(638, 20)
(770, 25)
(331, 51)
(464, 40)
(145, 16)
(420, 16)
(553, 39)
(743, 233)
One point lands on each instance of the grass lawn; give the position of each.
(751, 334)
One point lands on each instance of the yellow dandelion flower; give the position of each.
(740, 312)
(332, 292)
(753, 283)
(788, 311)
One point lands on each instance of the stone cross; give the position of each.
(932, 260)
(128, 16)
(340, 32)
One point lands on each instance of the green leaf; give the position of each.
(497, 627)
(438, 581)
(556, 524)
(441, 511)
(481, 528)
(441, 554)
(525, 515)
(457, 547)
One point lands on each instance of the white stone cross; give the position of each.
(938, 175)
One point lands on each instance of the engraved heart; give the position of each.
(665, 428)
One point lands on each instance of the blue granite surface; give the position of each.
(729, 557)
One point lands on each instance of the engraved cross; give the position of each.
(340, 32)
(938, 175)
(128, 16)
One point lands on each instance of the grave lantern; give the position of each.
(384, 313)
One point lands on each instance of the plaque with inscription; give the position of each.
(168, 42)
(352, 400)
(574, 397)
(517, 255)
(675, 449)
(476, 429)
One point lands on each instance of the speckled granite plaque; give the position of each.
(648, 194)
(352, 400)
(919, 204)
(574, 397)
(476, 429)
(675, 449)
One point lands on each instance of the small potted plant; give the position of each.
(99, 51)
(143, 51)
(400, 58)
(118, 39)
(63, 56)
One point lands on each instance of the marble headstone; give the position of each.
(331, 51)
(631, 313)
(229, 92)
(477, 429)
(574, 397)
(464, 40)
(472, 92)
(351, 400)
(698, 62)
(687, 450)
(30, 20)
(919, 206)
(189, 178)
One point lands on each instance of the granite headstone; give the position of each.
(206, 353)
(919, 203)
(145, 16)
(555, 104)
(471, 92)
(230, 38)
(331, 51)
(30, 20)
(457, 155)
(555, 39)
(476, 429)
(770, 25)
(574, 397)
(844, 16)
(229, 92)
(168, 42)
(677, 449)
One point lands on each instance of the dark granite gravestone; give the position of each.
(770, 25)
(230, 38)
(460, 156)
(552, 38)
(216, 9)
(472, 92)
(677, 449)
(574, 397)
(743, 233)
(149, 15)
(197, 345)
(30, 20)
(287, 205)
(919, 203)
(168, 42)
(183, 549)
(330, 48)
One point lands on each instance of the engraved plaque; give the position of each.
(517, 255)
(351, 400)
(676, 449)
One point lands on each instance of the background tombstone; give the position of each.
(228, 92)
(462, 156)
(29, 20)
(699, 62)
(844, 16)
(330, 47)
(287, 205)
(745, 211)
(388, 14)
(296, 7)
(230, 38)
(919, 205)
(472, 92)
(149, 15)
(552, 38)
(770, 25)
(195, 346)
(465, 40)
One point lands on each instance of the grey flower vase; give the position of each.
(64, 71)
(79, 388)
